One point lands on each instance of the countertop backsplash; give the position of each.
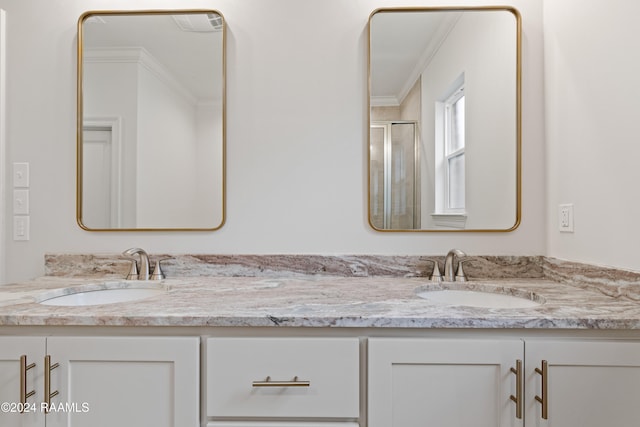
(198, 265)
(610, 281)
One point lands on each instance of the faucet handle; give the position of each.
(157, 271)
(460, 276)
(133, 271)
(435, 273)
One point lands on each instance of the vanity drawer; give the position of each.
(281, 424)
(256, 377)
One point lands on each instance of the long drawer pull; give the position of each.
(544, 400)
(517, 399)
(294, 383)
(48, 394)
(24, 394)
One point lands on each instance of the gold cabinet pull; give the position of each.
(48, 394)
(545, 392)
(24, 394)
(518, 397)
(294, 383)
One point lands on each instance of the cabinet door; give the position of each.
(13, 371)
(443, 383)
(588, 383)
(131, 381)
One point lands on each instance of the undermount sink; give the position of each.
(480, 296)
(99, 294)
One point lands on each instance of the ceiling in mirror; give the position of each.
(151, 120)
(444, 134)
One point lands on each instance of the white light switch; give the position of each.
(21, 227)
(21, 202)
(21, 175)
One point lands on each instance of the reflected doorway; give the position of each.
(101, 206)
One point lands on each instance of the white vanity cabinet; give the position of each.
(443, 382)
(587, 383)
(16, 355)
(470, 382)
(292, 382)
(329, 379)
(103, 381)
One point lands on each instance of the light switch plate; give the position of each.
(21, 227)
(21, 202)
(21, 175)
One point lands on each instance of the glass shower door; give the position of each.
(394, 179)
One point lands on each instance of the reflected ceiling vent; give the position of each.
(199, 23)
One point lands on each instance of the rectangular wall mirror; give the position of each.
(444, 119)
(151, 120)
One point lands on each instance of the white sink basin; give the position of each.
(486, 298)
(81, 297)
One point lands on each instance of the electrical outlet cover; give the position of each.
(565, 218)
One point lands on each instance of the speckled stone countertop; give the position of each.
(379, 302)
(315, 291)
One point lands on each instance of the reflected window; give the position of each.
(450, 122)
(454, 150)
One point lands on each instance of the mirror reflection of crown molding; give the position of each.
(142, 57)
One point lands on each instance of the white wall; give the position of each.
(166, 135)
(592, 64)
(209, 180)
(297, 133)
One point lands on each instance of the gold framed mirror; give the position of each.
(444, 148)
(151, 136)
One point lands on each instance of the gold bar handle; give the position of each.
(545, 392)
(24, 394)
(48, 394)
(268, 383)
(519, 401)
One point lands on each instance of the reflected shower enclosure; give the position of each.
(395, 179)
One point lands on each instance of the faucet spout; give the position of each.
(449, 272)
(143, 273)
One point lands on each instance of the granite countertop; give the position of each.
(318, 301)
